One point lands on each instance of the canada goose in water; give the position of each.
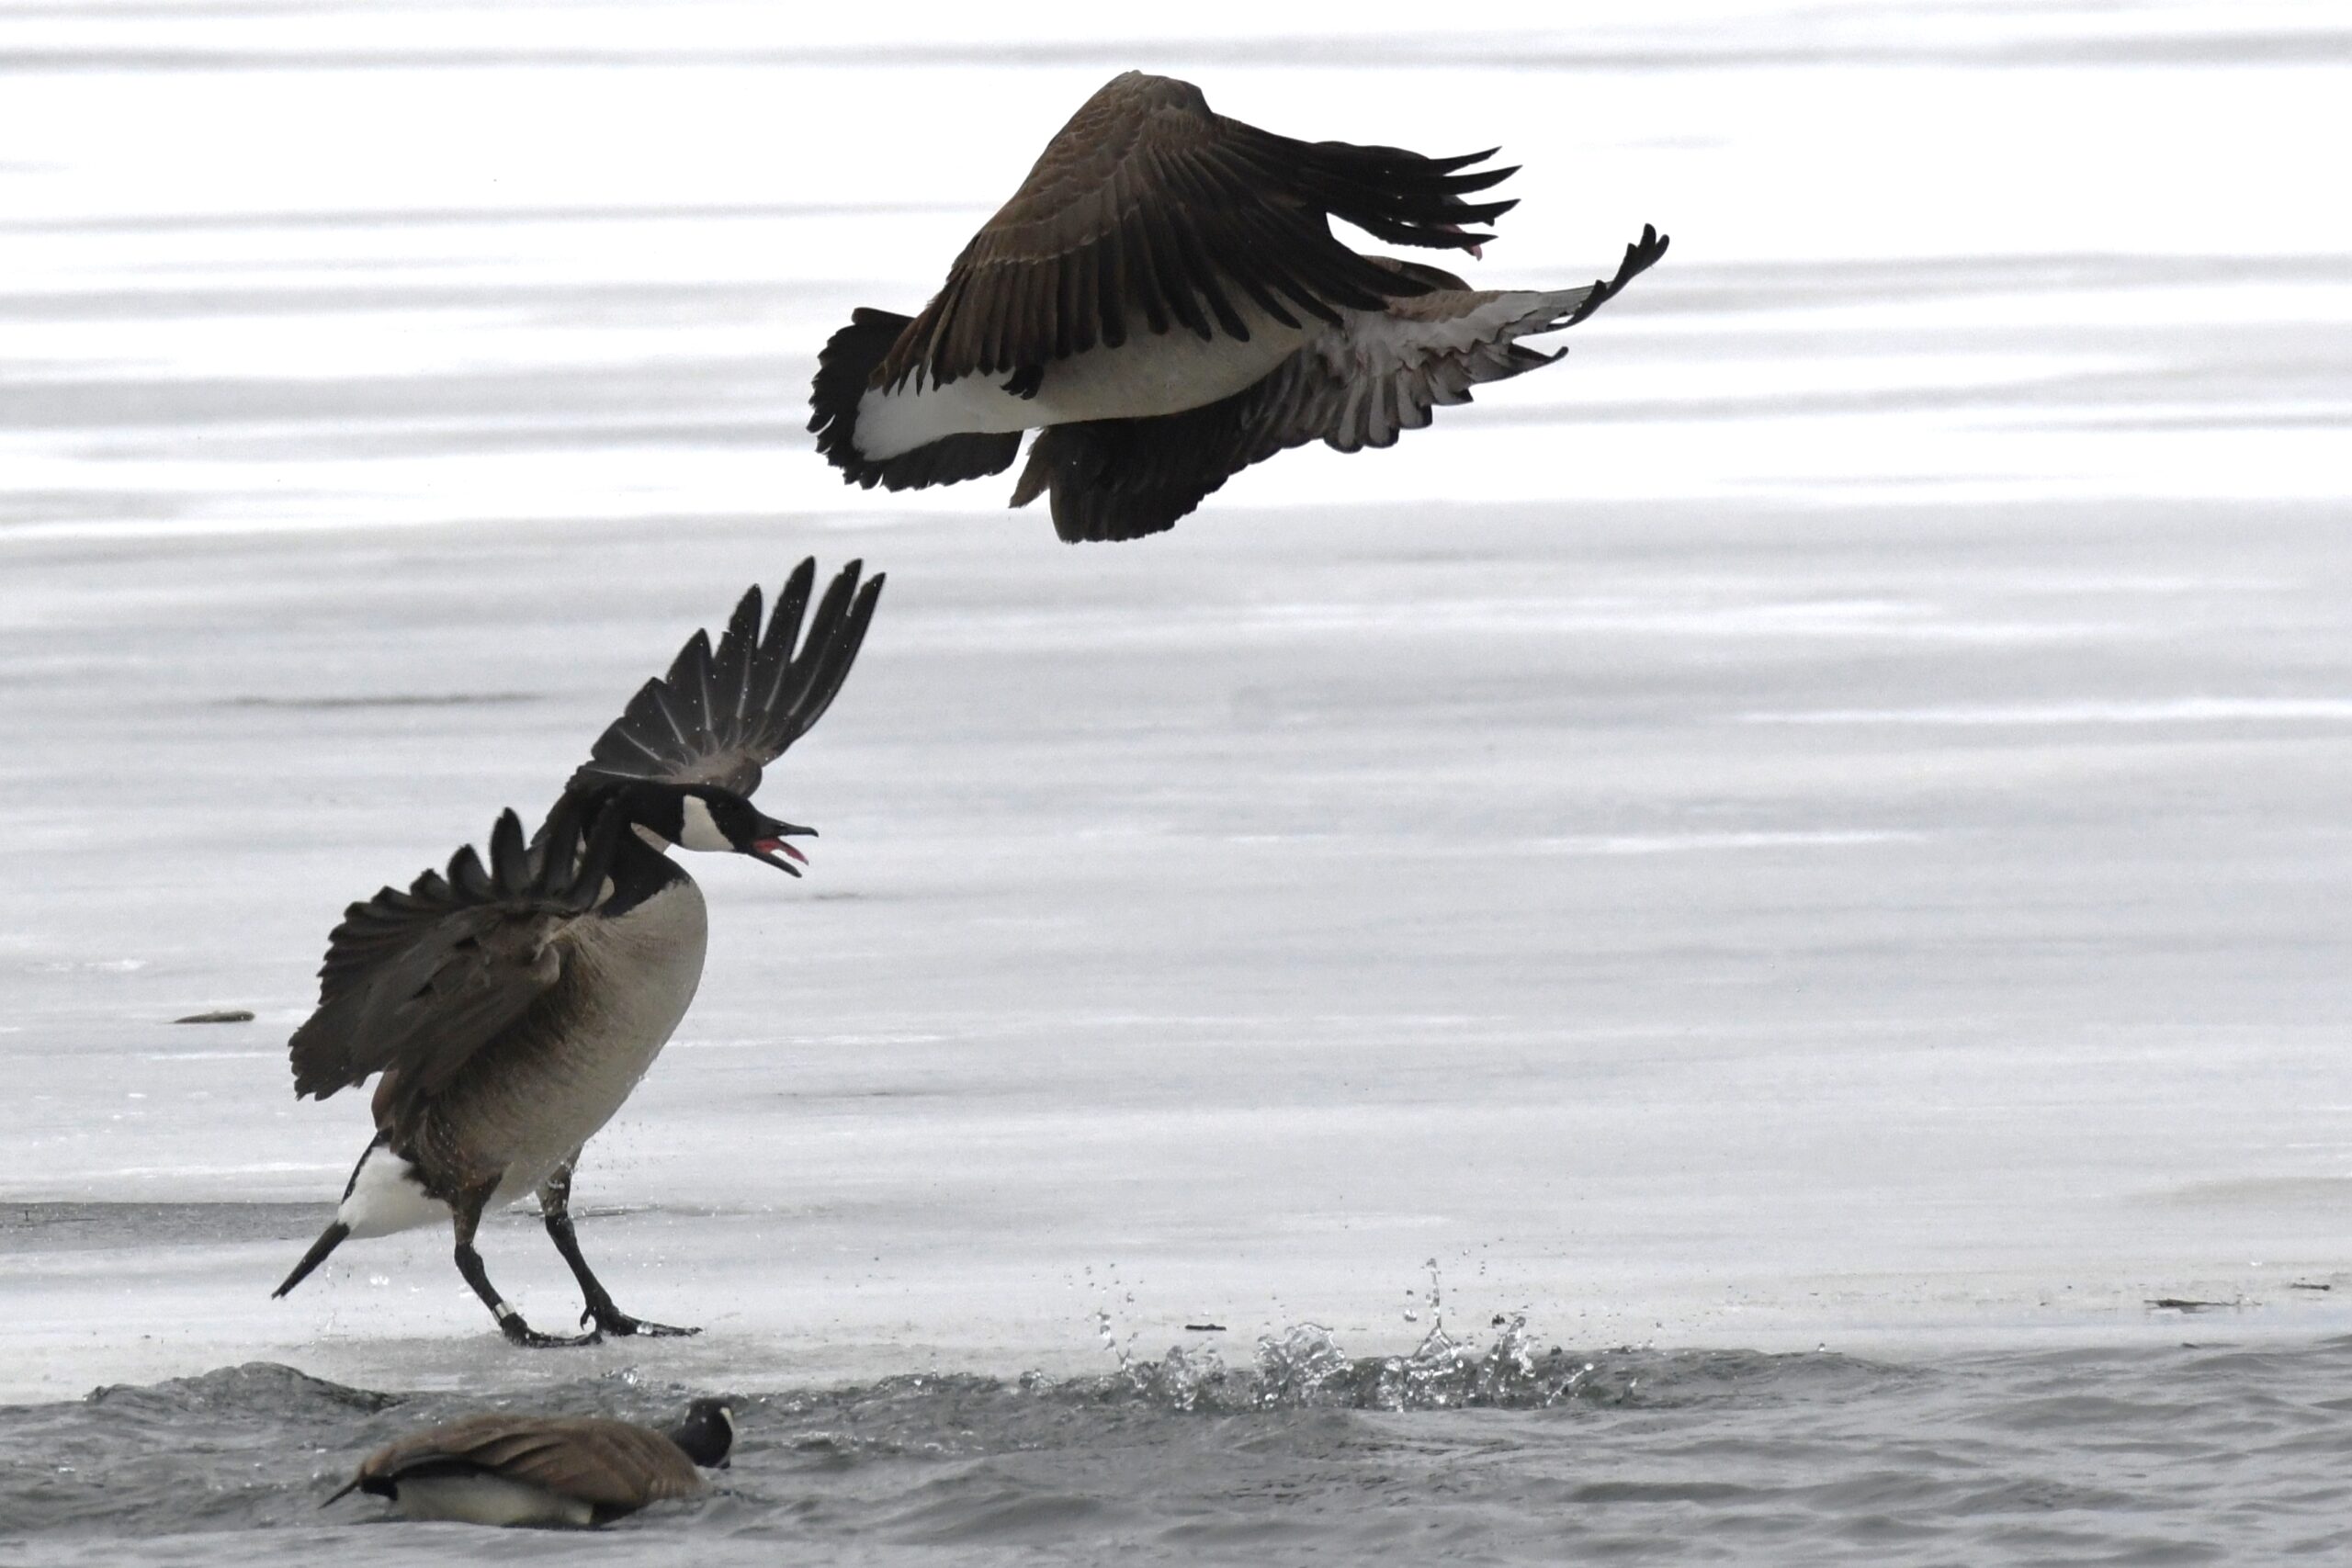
(511, 1006)
(497, 1469)
(1164, 297)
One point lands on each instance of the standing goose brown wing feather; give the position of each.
(419, 980)
(1149, 209)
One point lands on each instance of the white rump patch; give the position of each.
(386, 1197)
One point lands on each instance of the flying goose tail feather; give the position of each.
(844, 374)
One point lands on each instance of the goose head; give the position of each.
(714, 820)
(708, 1434)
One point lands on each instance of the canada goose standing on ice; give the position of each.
(1164, 297)
(497, 1469)
(510, 1006)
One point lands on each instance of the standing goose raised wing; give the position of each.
(722, 714)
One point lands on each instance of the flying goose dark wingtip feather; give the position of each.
(1124, 479)
(1640, 256)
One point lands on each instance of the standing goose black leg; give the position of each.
(467, 1213)
(554, 1205)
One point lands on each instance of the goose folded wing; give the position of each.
(482, 1441)
(1358, 384)
(419, 980)
(610, 1463)
(724, 712)
(1150, 212)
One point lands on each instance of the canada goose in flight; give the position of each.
(1164, 297)
(511, 1006)
(497, 1469)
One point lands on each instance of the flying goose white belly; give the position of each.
(1142, 379)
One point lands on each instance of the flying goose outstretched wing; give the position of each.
(1150, 209)
(415, 982)
(722, 714)
(1357, 384)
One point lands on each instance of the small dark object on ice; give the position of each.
(1205, 1329)
(2310, 1285)
(2184, 1303)
(219, 1015)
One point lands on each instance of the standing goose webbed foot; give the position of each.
(517, 1332)
(510, 1322)
(466, 1217)
(555, 1208)
(610, 1319)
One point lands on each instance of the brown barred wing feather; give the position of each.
(1148, 212)
(416, 980)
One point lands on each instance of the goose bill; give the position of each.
(773, 851)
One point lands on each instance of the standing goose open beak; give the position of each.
(772, 849)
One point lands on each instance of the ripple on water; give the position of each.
(1499, 1448)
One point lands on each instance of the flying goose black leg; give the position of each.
(555, 1204)
(466, 1213)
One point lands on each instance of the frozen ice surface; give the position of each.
(1819, 819)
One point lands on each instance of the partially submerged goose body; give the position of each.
(511, 1004)
(1164, 298)
(581, 1471)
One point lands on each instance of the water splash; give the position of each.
(1306, 1367)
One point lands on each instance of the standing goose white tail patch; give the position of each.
(386, 1197)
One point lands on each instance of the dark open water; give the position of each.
(1497, 1453)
